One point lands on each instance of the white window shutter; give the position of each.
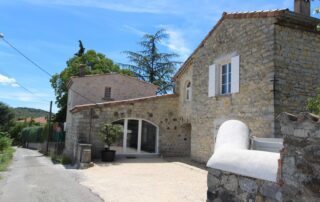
(212, 81)
(235, 74)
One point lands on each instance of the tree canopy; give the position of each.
(151, 65)
(95, 63)
(6, 117)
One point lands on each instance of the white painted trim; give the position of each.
(125, 131)
(139, 135)
(235, 74)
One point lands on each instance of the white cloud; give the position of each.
(134, 30)
(8, 81)
(177, 43)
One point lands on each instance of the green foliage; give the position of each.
(25, 112)
(6, 117)
(151, 65)
(109, 133)
(6, 151)
(5, 141)
(96, 63)
(63, 159)
(32, 134)
(313, 104)
(5, 158)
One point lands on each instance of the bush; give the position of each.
(313, 104)
(32, 134)
(5, 142)
(65, 160)
(15, 132)
(5, 158)
(6, 151)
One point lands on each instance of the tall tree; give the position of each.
(151, 65)
(6, 117)
(95, 63)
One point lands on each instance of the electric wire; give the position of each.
(23, 87)
(43, 69)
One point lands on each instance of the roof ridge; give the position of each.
(112, 73)
(226, 15)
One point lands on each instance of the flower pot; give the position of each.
(108, 155)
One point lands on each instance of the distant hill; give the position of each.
(25, 112)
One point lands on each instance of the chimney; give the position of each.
(82, 70)
(302, 7)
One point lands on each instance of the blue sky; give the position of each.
(48, 32)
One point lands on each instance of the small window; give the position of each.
(226, 79)
(188, 91)
(107, 93)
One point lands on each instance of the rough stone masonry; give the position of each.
(298, 171)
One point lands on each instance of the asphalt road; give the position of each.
(34, 178)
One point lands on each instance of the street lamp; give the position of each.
(1, 35)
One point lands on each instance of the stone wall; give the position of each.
(227, 187)
(300, 158)
(253, 41)
(173, 138)
(92, 89)
(298, 171)
(297, 65)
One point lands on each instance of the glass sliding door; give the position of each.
(132, 136)
(148, 138)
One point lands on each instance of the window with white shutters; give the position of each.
(224, 77)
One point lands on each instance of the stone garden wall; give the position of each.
(298, 171)
(300, 158)
(228, 187)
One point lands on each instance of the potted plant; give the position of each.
(109, 133)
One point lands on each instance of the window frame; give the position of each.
(228, 78)
(188, 91)
(107, 91)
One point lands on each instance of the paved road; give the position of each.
(33, 178)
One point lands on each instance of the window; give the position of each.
(107, 93)
(188, 91)
(224, 76)
(226, 79)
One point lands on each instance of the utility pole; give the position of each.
(49, 128)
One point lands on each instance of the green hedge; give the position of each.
(32, 134)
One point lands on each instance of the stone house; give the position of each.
(251, 66)
(98, 89)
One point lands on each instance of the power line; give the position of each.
(42, 69)
(26, 57)
(25, 88)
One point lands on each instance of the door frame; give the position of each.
(125, 132)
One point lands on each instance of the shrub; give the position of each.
(313, 104)
(32, 134)
(5, 142)
(65, 160)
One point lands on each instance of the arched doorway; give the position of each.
(139, 137)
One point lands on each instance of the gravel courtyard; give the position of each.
(148, 179)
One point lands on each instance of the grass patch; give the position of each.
(5, 158)
(61, 159)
